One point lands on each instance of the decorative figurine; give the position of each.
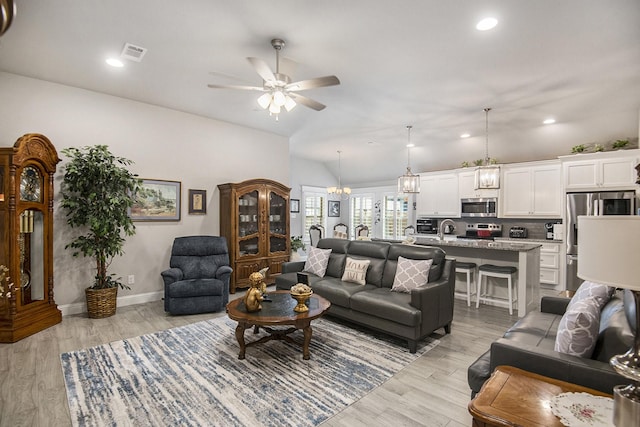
(253, 297)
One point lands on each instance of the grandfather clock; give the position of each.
(26, 246)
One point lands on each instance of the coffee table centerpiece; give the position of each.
(301, 293)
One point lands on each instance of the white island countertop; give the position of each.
(524, 256)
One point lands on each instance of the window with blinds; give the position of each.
(361, 212)
(395, 216)
(314, 212)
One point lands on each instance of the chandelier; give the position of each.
(339, 191)
(409, 182)
(487, 175)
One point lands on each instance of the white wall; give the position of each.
(305, 172)
(164, 144)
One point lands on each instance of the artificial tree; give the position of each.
(97, 192)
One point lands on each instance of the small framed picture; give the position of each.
(197, 202)
(295, 205)
(334, 208)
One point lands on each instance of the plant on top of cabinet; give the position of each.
(578, 148)
(620, 143)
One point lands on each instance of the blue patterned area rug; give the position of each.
(191, 376)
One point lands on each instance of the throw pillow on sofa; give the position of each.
(411, 273)
(355, 270)
(579, 327)
(317, 261)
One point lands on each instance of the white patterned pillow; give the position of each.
(579, 327)
(410, 274)
(317, 261)
(355, 270)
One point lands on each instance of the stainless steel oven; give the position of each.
(486, 207)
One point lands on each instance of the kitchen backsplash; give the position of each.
(535, 227)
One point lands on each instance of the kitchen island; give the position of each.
(524, 256)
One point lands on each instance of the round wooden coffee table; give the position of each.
(277, 312)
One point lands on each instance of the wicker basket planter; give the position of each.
(101, 302)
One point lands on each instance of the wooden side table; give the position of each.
(513, 397)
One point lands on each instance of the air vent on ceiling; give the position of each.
(133, 52)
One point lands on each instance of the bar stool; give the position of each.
(499, 272)
(468, 268)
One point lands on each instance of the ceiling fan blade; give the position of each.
(307, 102)
(256, 88)
(313, 83)
(262, 69)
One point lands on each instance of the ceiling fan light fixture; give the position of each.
(289, 103)
(409, 182)
(279, 98)
(264, 100)
(274, 109)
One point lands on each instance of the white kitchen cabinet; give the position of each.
(533, 190)
(608, 170)
(438, 196)
(550, 263)
(467, 186)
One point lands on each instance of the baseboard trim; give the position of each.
(79, 308)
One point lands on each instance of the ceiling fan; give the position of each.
(278, 89)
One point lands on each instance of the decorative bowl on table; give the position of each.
(301, 293)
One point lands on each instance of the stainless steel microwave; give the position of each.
(486, 207)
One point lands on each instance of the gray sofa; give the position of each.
(408, 316)
(529, 345)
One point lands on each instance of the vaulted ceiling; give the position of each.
(412, 62)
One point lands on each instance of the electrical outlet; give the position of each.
(131, 279)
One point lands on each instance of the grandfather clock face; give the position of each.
(30, 185)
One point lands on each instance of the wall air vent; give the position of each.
(133, 52)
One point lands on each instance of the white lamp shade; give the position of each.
(264, 100)
(289, 103)
(609, 250)
(274, 109)
(279, 98)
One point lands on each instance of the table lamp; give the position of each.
(609, 253)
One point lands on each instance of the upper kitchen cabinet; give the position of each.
(467, 186)
(607, 170)
(438, 196)
(532, 190)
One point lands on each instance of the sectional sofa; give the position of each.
(530, 345)
(409, 315)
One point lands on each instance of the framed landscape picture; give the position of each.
(157, 200)
(334, 208)
(197, 202)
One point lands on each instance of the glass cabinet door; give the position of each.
(248, 219)
(277, 222)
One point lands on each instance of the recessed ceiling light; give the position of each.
(549, 121)
(486, 24)
(114, 62)
(411, 145)
(465, 135)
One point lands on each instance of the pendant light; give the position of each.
(339, 191)
(487, 175)
(409, 182)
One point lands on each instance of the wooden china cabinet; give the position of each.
(254, 218)
(26, 245)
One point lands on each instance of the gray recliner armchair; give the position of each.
(198, 280)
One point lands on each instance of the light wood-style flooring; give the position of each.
(432, 391)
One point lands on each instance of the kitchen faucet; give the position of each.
(442, 225)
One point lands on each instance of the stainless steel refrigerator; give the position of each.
(601, 203)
